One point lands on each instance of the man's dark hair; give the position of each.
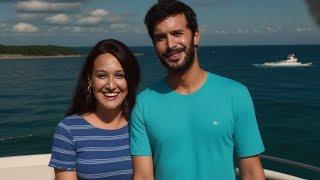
(166, 8)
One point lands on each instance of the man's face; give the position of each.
(174, 43)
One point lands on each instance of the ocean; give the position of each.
(34, 94)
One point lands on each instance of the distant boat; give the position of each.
(292, 61)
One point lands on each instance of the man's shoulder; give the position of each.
(226, 84)
(155, 89)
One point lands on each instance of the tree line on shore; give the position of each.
(37, 50)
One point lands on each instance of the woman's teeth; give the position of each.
(110, 94)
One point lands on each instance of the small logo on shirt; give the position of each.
(215, 123)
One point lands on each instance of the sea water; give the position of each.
(34, 94)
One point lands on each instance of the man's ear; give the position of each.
(196, 37)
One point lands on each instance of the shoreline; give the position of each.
(17, 56)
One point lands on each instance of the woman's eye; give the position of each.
(119, 76)
(101, 76)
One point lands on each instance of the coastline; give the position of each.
(18, 56)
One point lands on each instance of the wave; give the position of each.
(138, 54)
(14, 138)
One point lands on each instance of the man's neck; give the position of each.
(188, 81)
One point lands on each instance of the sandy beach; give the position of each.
(20, 56)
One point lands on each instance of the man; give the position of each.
(192, 123)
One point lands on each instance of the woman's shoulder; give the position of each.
(71, 121)
(74, 125)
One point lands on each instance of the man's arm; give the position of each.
(250, 168)
(65, 175)
(142, 168)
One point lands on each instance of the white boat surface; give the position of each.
(292, 61)
(26, 167)
(36, 167)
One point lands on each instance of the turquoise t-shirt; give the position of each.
(195, 136)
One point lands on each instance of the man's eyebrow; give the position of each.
(178, 30)
(158, 34)
(163, 34)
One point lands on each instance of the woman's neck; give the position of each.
(107, 119)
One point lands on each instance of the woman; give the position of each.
(91, 142)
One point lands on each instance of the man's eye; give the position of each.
(178, 34)
(160, 38)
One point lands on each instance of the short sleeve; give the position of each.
(63, 153)
(247, 137)
(139, 141)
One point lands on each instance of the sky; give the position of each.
(221, 22)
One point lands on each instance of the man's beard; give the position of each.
(186, 62)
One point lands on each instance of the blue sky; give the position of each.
(222, 22)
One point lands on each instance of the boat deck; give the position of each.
(36, 167)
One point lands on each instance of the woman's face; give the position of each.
(108, 82)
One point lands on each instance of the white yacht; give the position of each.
(292, 61)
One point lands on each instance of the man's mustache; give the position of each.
(170, 52)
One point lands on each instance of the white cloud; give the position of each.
(2, 25)
(94, 17)
(120, 27)
(27, 16)
(57, 19)
(231, 31)
(90, 20)
(272, 29)
(140, 30)
(203, 29)
(77, 29)
(304, 29)
(24, 27)
(221, 31)
(81, 29)
(74, 29)
(52, 29)
(97, 29)
(256, 30)
(99, 12)
(241, 31)
(267, 29)
(114, 19)
(41, 6)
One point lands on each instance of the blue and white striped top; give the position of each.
(94, 153)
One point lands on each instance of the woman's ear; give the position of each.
(89, 80)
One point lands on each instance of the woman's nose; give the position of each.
(110, 85)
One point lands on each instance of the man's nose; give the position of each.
(171, 42)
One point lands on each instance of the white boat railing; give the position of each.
(36, 167)
(291, 163)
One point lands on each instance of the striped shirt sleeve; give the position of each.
(63, 153)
